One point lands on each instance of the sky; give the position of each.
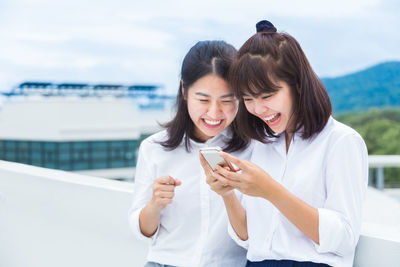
(130, 42)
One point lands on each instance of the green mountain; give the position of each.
(377, 86)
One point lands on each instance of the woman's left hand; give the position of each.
(252, 180)
(215, 185)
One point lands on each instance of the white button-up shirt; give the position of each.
(193, 228)
(330, 173)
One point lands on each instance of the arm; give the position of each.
(149, 219)
(163, 193)
(335, 228)
(236, 212)
(149, 197)
(142, 190)
(236, 215)
(304, 216)
(256, 182)
(346, 183)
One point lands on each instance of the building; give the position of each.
(92, 129)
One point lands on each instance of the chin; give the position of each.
(212, 134)
(277, 131)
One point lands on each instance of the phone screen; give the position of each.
(211, 155)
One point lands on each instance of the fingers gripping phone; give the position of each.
(211, 155)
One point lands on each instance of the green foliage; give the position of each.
(378, 86)
(372, 90)
(381, 132)
(382, 137)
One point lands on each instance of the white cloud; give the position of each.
(233, 11)
(38, 37)
(130, 41)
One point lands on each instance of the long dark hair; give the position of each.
(264, 59)
(204, 58)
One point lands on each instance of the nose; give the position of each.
(259, 107)
(214, 111)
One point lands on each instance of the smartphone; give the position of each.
(211, 155)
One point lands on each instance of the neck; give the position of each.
(289, 133)
(288, 139)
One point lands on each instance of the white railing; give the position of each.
(54, 218)
(379, 162)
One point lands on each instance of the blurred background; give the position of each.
(61, 63)
(125, 41)
(83, 82)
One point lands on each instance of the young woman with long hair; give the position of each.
(173, 208)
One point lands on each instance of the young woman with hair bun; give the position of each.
(304, 186)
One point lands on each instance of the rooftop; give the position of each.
(85, 89)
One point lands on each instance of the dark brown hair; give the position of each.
(263, 60)
(204, 58)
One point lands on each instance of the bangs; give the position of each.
(252, 74)
(262, 62)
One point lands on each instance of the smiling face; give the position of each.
(212, 106)
(275, 109)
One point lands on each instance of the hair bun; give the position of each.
(265, 26)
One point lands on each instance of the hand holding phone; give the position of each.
(211, 155)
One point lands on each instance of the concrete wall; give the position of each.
(54, 218)
(374, 251)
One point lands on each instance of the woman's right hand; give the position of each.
(163, 192)
(215, 185)
(236, 212)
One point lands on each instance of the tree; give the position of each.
(380, 129)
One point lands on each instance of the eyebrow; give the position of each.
(206, 95)
(228, 95)
(246, 95)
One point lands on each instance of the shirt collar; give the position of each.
(280, 141)
(297, 136)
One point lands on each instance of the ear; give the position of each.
(183, 90)
(298, 89)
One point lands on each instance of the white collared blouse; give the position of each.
(193, 228)
(330, 173)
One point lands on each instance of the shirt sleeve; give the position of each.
(142, 191)
(346, 183)
(231, 232)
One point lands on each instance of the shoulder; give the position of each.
(337, 130)
(339, 134)
(152, 144)
(246, 152)
(156, 138)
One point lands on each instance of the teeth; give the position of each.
(212, 122)
(270, 117)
